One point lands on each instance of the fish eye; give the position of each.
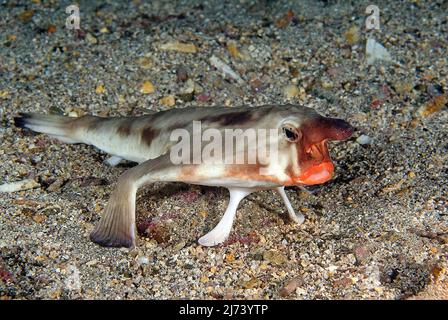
(290, 134)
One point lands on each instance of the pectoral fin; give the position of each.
(295, 217)
(116, 227)
(222, 230)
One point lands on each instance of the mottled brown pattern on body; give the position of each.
(148, 135)
(88, 122)
(125, 128)
(176, 125)
(233, 118)
(188, 173)
(248, 172)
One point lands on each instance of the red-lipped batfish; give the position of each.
(243, 149)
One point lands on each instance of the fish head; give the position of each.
(271, 145)
(303, 145)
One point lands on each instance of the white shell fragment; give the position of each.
(225, 69)
(364, 139)
(376, 52)
(19, 185)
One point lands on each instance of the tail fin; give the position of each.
(53, 125)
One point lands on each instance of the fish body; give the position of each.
(296, 135)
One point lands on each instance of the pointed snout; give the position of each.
(323, 128)
(337, 129)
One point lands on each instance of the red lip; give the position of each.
(317, 174)
(314, 159)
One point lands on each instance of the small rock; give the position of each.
(225, 69)
(19, 186)
(332, 268)
(352, 35)
(274, 257)
(26, 16)
(39, 218)
(147, 87)
(252, 283)
(364, 139)
(203, 97)
(434, 105)
(235, 53)
(55, 186)
(100, 89)
(179, 246)
(51, 29)
(394, 186)
(179, 47)
(295, 73)
(291, 286)
(257, 85)
(91, 39)
(181, 74)
(291, 91)
(187, 92)
(73, 114)
(230, 257)
(168, 101)
(286, 19)
(160, 234)
(4, 94)
(145, 62)
(372, 280)
(435, 90)
(361, 254)
(143, 260)
(92, 263)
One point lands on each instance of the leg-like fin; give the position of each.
(222, 230)
(116, 227)
(295, 217)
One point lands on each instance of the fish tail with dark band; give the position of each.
(54, 125)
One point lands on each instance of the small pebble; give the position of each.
(168, 101)
(147, 87)
(145, 62)
(291, 286)
(364, 139)
(275, 257)
(291, 91)
(143, 260)
(100, 89)
(179, 47)
(91, 39)
(19, 185)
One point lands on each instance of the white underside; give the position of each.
(238, 189)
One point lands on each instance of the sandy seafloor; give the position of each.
(378, 230)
